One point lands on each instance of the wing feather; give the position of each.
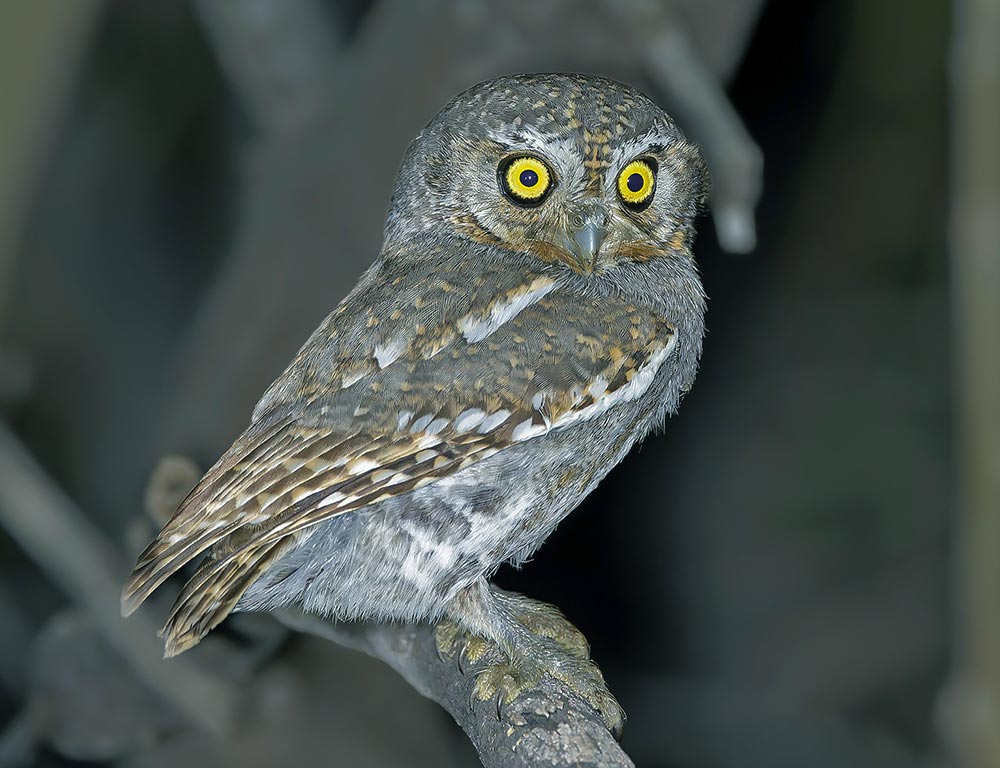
(441, 403)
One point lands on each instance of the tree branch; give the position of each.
(278, 54)
(549, 725)
(79, 560)
(697, 98)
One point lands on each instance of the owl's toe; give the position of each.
(544, 620)
(584, 678)
(505, 681)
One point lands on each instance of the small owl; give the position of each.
(534, 311)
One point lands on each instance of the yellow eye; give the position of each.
(636, 182)
(526, 179)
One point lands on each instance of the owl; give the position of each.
(534, 311)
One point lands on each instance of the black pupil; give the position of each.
(635, 182)
(528, 178)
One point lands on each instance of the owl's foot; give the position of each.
(467, 649)
(544, 620)
(534, 640)
(505, 681)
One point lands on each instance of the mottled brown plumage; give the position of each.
(501, 355)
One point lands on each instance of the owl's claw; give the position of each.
(506, 681)
(552, 646)
(473, 651)
(584, 678)
(468, 649)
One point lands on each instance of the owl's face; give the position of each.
(573, 169)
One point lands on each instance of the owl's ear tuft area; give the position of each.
(699, 178)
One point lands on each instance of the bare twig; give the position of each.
(19, 742)
(15, 640)
(77, 558)
(972, 702)
(549, 725)
(278, 54)
(697, 97)
(42, 43)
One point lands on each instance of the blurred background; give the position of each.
(800, 571)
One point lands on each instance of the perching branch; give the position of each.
(548, 726)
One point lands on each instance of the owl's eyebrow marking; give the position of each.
(525, 137)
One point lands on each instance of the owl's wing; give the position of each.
(393, 408)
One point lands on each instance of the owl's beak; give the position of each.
(588, 240)
(588, 233)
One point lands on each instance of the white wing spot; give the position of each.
(404, 418)
(436, 426)
(351, 378)
(361, 465)
(493, 421)
(468, 419)
(477, 327)
(527, 429)
(598, 387)
(387, 354)
(421, 424)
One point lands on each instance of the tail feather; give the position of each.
(212, 594)
(229, 498)
(148, 576)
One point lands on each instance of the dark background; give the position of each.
(768, 582)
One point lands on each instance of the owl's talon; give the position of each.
(618, 728)
(505, 681)
(462, 660)
(550, 645)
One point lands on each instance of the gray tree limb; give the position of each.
(692, 78)
(970, 706)
(80, 561)
(277, 55)
(548, 725)
(43, 45)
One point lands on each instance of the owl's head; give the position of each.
(574, 169)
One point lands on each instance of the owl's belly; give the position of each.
(407, 557)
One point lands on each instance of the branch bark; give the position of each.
(548, 725)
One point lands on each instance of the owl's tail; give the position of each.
(213, 592)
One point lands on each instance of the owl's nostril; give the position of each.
(578, 221)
